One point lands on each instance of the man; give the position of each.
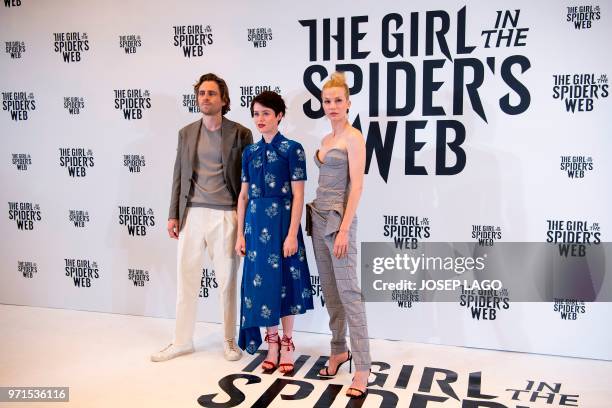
(205, 188)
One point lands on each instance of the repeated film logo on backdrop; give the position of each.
(576, 166)
(190, 103)
(12, 3)
(71, 46)
(136, 219)
(82, 272)
(76, 160)
(130, 43)
(25, 215)
(486, 235)
(484, 304)
(259, 37)
(18, 104)
(581, 17)
(192, 39)
(132, 102)
(27, 269)
(207, 283)
(134, 162)
(569, 309)
(316, 290)
(390, 70)
(405, 298)
(21, 161)
(249, 92)
(15, 48)
(580, 91)
(572, 236)
(78, 218)
(406, 230)
(138, 277)
(74, 104)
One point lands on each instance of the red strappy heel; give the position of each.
(271, 338)
(286, 342)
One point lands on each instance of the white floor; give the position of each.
(104, 359)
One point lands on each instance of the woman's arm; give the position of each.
(356, 157)
(243, 198)
(297, 204)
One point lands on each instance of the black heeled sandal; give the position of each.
(362, 394)
(332, 375)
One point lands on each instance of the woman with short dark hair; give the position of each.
(275, 278)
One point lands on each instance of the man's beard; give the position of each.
(210, 111)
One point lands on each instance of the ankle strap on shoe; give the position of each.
(271, 337)
(287, 341)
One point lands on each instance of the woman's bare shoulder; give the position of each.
(354, 136)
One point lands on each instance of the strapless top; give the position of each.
(334, 181)
(332, 192)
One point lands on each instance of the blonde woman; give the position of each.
(341, 161)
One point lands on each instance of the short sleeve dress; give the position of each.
(272, 286)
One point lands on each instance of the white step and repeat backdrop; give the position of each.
(479, 120)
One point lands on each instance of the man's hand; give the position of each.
(173, 228)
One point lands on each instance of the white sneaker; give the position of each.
(172, 351)
(231, 351)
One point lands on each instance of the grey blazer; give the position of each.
(235, 138)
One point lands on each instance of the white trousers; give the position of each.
(215, 231)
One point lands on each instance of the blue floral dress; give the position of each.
(272, 286)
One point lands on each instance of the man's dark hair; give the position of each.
(222, 88)
(270, 100)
